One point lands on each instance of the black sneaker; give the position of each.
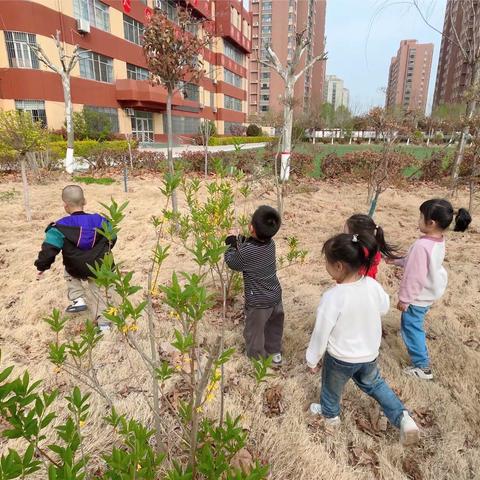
(78, 305)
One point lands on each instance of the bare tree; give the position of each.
(67, 64)
(290, 75)
(467, 40)
(172, 53)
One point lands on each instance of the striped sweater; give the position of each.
(257, 261)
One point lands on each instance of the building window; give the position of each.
(190, 91)
(93, 11)
(96, 67)
(232, 52)
(232, 103)
(36, 108)
(133, 30)
(169, 7)
(232, 128)
(136, 73)
(266, 19)
(111, 112)
(182, 125)
(264, 108)
(266, 6)
(266, 30)
(19, 53)
(232, 78)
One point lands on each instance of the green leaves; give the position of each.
(260, 369)
(56, 321)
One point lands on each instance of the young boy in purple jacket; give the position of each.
(81, 245)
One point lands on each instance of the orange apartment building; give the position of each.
(111, 76)
(275, 22)
(409, 76)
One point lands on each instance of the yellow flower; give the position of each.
(174, 314)
(57, 370)
(112, 311)
(178, 368)
(199, 409)
(133, 327)
(81, 423)
(209, 397)
(139, 467)
(154, 292)
(124, 329)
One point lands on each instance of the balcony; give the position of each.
(225, 27)
(141, 94)
(201, 6)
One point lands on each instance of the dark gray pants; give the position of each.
(263, 330)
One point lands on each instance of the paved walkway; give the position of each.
(177, 151)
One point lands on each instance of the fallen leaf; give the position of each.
(411, 468)
(378, 419)
(273, 405)
(366, 427)
(425, 417)
(243, 460)
(364, 457)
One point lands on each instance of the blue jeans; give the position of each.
(413, 334)
(335, 375)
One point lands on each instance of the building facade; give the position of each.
(335, 93)
(111, 76)
(409, 76)
(274, 22)
(454, 74)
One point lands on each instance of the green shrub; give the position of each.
(85, 148)
(254, 131)
(98, 181)
(218, 141)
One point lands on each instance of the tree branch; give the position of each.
(310, 64)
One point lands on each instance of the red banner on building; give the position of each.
(148, 14)
(127, 5)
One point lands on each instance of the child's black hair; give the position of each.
(363, 224)
(441, 211)
(266, 222)
(462, 220)
(353, 250)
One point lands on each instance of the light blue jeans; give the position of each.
(413, 334)
(335, 375)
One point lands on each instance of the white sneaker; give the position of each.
(409, 431)
(422, 373)
(104, 328)
(316, 409)
(77, 305)
(277, 359)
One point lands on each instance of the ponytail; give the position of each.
(462, 220)
(355, 251)
(364, 225)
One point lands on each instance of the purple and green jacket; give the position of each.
(77, 238)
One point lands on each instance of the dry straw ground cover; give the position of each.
(281, 432)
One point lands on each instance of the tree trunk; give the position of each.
(470, 110)
(287, 132)
(472, 196)
(171, 167)
(69, 161)
(373, 205)
(26, 193)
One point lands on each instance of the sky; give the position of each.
(363, 36)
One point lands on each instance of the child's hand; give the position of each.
(403, 307)
(314, 370)
(39, 275)
(233, 231)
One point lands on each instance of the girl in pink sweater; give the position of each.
(425, 279)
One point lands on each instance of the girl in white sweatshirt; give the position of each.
(348, 333)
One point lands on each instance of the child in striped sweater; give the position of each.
(255, 257)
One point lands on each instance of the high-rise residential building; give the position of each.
(409, 76)
(111, 76)
(335, 93)
(454, 74)
(274, 22)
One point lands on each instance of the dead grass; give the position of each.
(296, 448)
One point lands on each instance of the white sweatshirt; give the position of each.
(348, 323)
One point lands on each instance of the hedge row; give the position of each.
(85, 148)
(220, 141)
